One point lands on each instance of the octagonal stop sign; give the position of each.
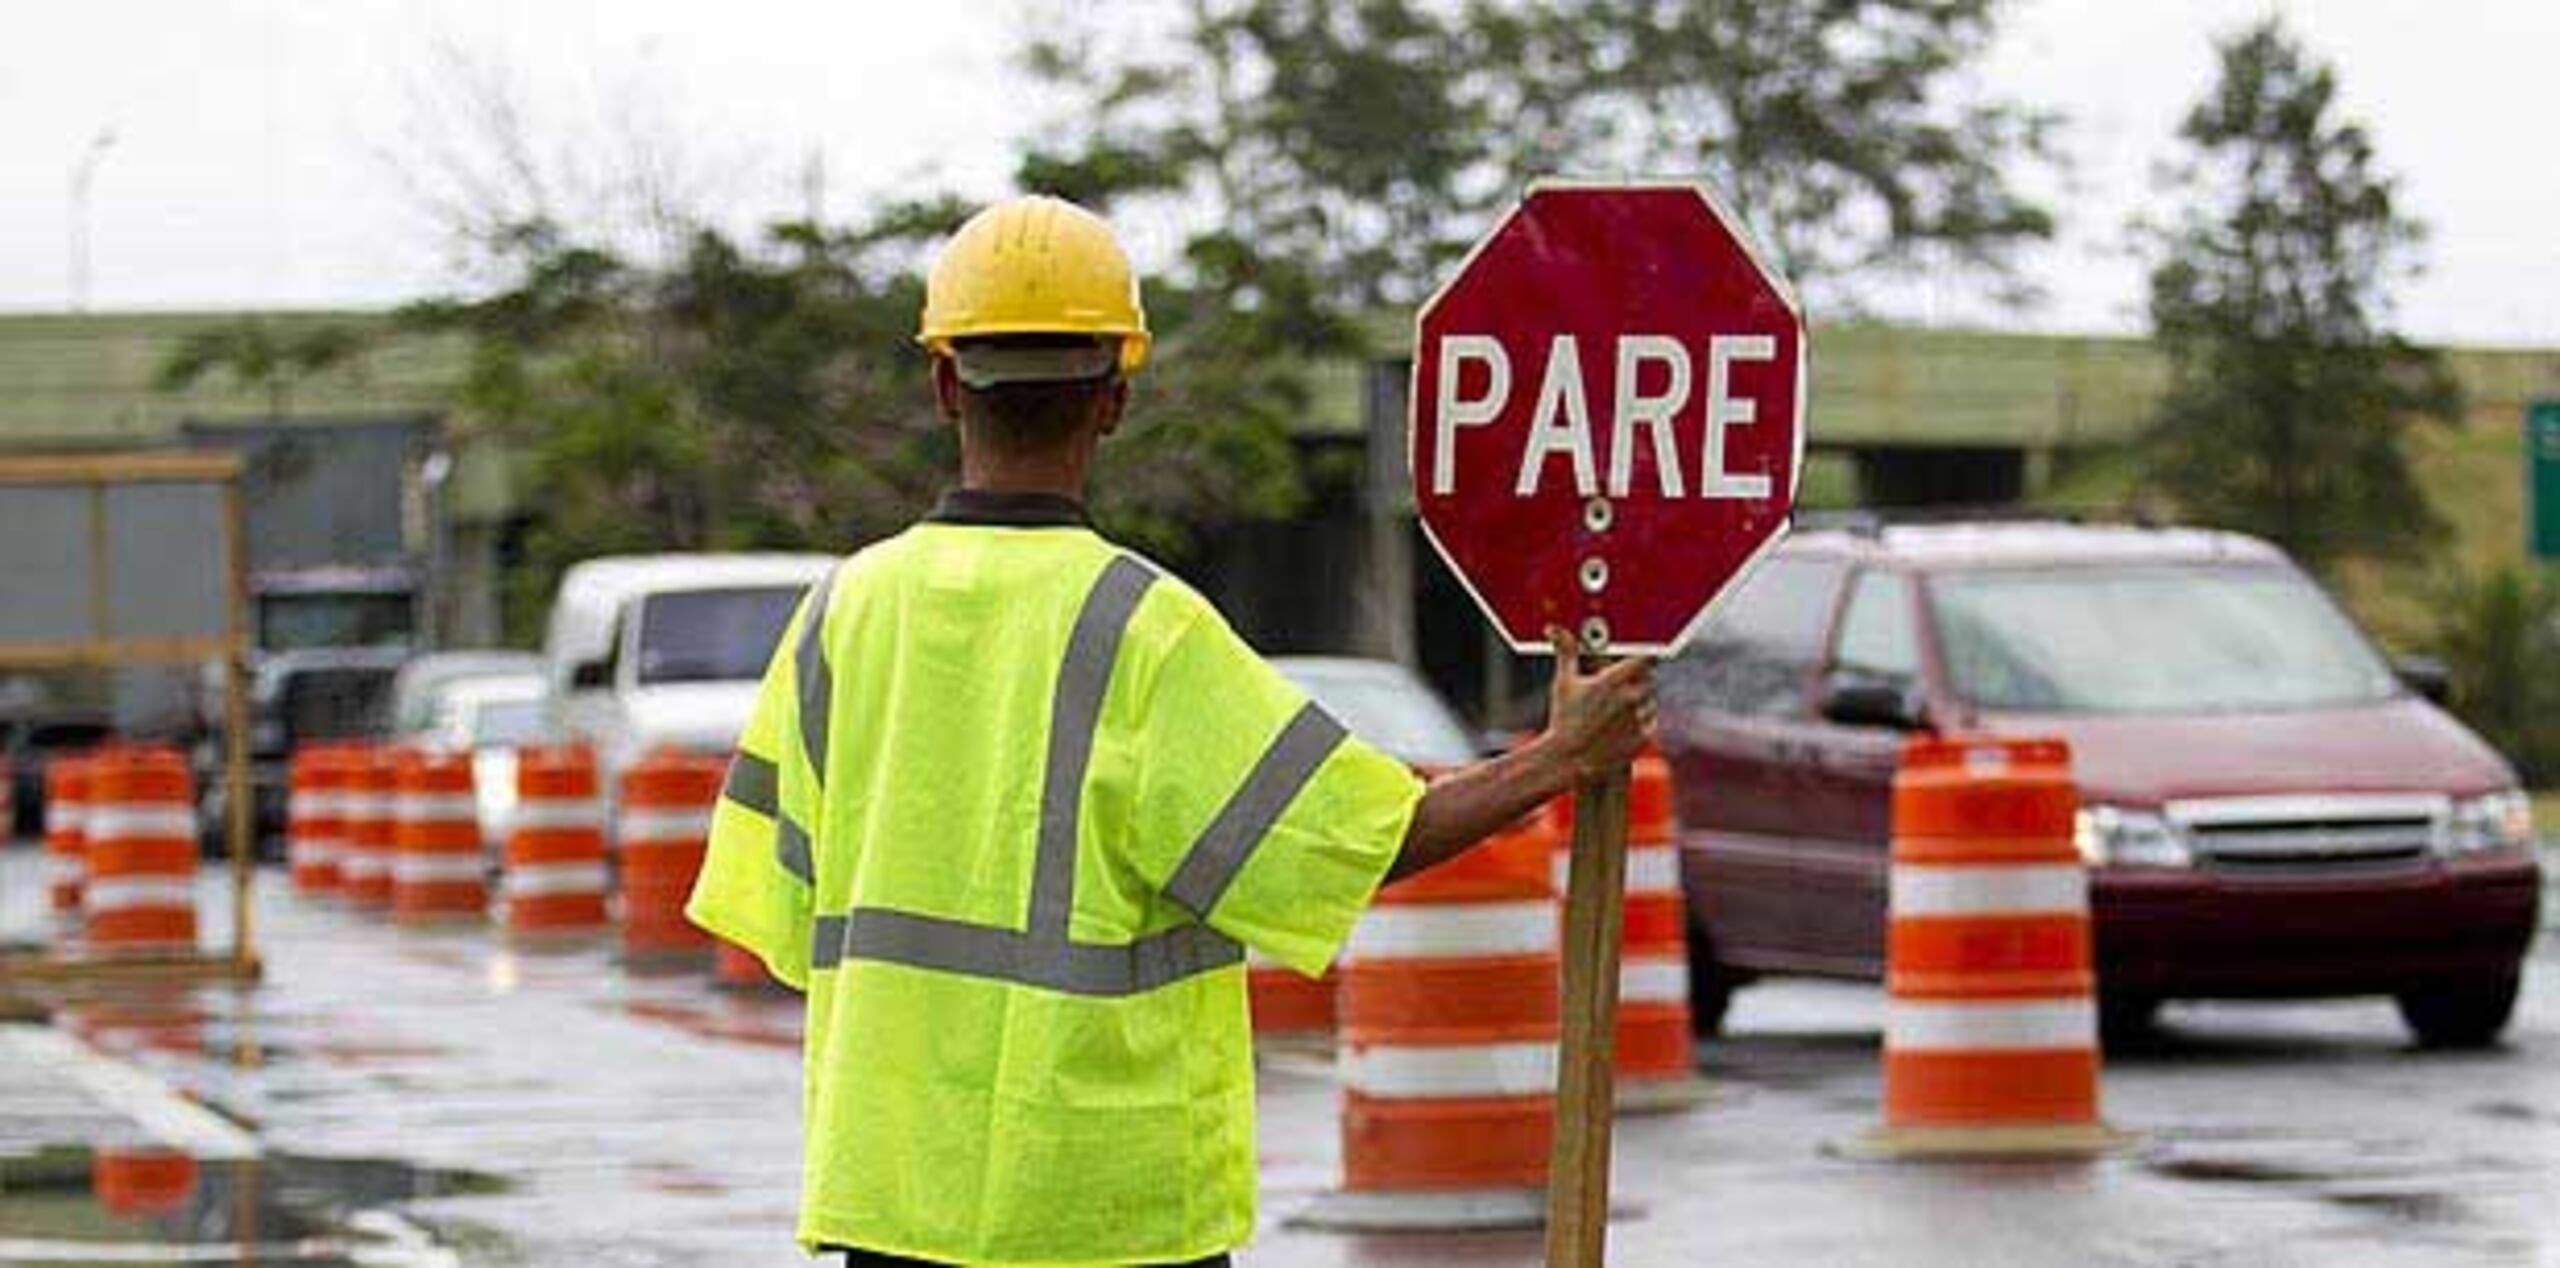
(1608, 414)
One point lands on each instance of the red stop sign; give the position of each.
(1608, 414)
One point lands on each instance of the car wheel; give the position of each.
(2467, 1015)
(1711, 987)
(2127, 1022)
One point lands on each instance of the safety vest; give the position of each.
(1009, 807)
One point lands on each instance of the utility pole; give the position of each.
(83, 171)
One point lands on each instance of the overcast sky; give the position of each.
(266, 154)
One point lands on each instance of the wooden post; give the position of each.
(1578, 1166)
(240, 818)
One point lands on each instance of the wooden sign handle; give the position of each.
(1594, 912)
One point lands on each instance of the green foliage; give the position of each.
(2289, 394)
(257, 354)
(2500, 637)
(1368, 141)
(1838, 128)
(772, 397)
(731, 399)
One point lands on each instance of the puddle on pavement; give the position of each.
(2212, 1169)
(2413, 1206)
(2514, 1112)
(153, 1207)
(2385, 1179)
(2250, 1157)
(215, 1024)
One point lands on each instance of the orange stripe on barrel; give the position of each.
(1953, 1087)
(657, 875)
(1450, 1000)
(1451, 1143)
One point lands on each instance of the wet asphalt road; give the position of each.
(608, 1118)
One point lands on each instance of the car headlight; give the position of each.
(2114, 836)
(2499, 821)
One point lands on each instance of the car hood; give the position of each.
(2393, 746)
(705, 716)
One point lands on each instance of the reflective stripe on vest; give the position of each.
(817, 684)
(1043, 952)
(755, 784)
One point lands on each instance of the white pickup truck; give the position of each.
(646, 651)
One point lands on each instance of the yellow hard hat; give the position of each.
(1034, 266)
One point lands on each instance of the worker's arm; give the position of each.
(1595, 723)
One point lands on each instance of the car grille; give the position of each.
(2311, 834)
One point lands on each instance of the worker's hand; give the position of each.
(1597, 721)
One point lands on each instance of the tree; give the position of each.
(258, 354)
(2500, 635)
(771, 395)
(2289, 394)
(675, 386)
(730, 399)
(1368, 141)
(1841, 130)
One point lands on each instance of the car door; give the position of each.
(1847, 778)
(1736, 714)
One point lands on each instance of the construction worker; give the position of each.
(1013, 801)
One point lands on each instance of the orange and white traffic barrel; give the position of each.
(139, 895)
(66, 818)
(1287, 1004)
(368, 805)
(1653, 1055)
(1991, 1028)
(1447, 1059)
(141, 1179)
(661, 821)
(439, 869)
(314, 817)
(554, 877)
(737, 967)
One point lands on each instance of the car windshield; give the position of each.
(712, 635)
(1389, 708)
(2150, 638)
(506, 724)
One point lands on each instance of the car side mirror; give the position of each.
(1850, 698)
(591, 674)
(2426, 676)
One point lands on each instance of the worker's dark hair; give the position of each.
(1030, 417)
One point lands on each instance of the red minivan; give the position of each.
(2267, 809)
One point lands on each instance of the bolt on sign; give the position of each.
(1608, 414)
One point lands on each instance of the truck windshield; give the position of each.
(712, 635)
(2150, 638)
(289, 622)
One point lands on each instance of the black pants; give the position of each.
(874, 1259)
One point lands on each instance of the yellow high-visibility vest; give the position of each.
(1010, 806)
